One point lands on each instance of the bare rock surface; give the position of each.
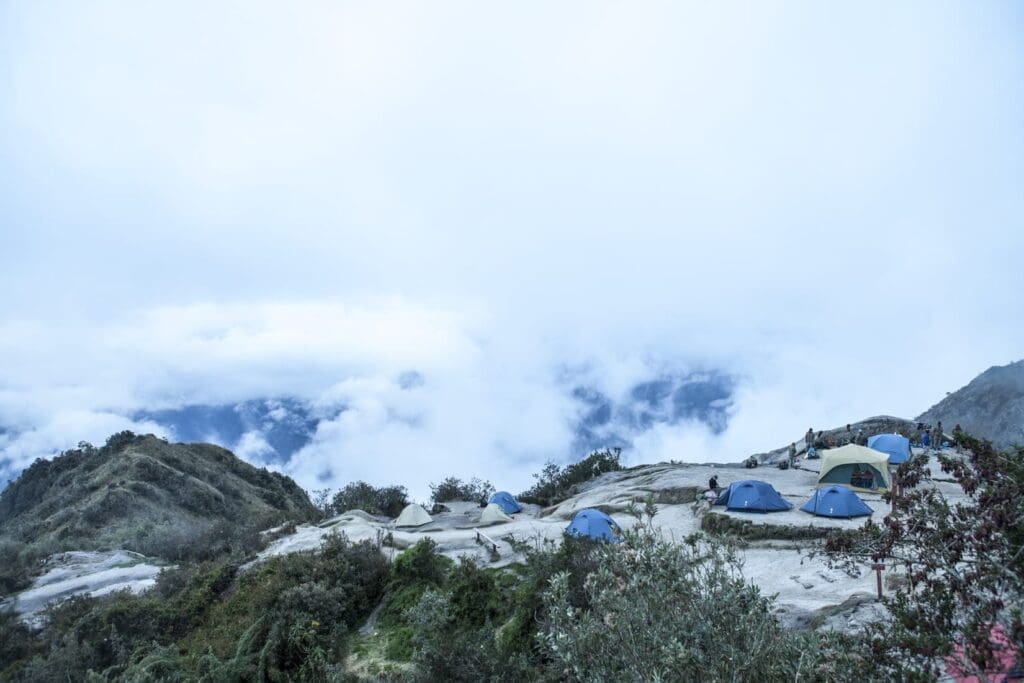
(85, 573)
(991, 406)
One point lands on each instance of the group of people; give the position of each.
(862, 478)
(933, 436)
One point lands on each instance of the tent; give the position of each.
(413, 515)
(591, 523)
(895, 446)
(752, 496)
(835, 501)
(506, 501)
(493, 514)
(858, 467)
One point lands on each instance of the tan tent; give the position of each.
(413, 515)
(856, 467)
(493, 514)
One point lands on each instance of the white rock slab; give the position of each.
(85, 573)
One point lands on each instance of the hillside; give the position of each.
(142, 494)
(991, 406)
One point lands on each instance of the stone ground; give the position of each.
(85, 573)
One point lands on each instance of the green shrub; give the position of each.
(287, 618)
(555, 484)
(453, 488)
(387, 500)
(413, 572)
(719, 524)
(663, 611)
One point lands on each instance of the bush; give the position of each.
(719, 524)
(17, 643)
(555, 484)
(453, 488)
(287, 618)
(964, 567)
(388, 500)
(416, 570)
(482, 624)
(661, 611)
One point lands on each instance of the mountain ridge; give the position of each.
(990, 406)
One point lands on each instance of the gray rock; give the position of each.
(990, 407)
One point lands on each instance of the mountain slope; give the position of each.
(991, 406)
(143, 494)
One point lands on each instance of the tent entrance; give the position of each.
(860, 476)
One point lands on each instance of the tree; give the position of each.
(963, 562)
(555, 484)
(453, 488)
(661, 611)
(387, 500)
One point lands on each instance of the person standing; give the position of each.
(809, 438)
(792, 453)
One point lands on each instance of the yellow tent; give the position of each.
(857, 467)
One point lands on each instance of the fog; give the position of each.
(208, 205)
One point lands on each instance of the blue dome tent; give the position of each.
(506, 501)
(752, 496)
(895, 446)
(591, 523)
(835, 501)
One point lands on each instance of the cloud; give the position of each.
(822, 202)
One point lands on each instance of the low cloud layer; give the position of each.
(432, 226)
(405, 394)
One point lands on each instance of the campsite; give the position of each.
(781, 565)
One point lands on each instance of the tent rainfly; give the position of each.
(594, 524)
(413, 515)
(506, 501)
(752, 495)
(836, 501)
(895, 446)
(857, 467)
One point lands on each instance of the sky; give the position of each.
(212, 202)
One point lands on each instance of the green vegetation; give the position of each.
(964, 564)
(178, 502)
(579, 610)
(663, 611)
(288, 618)
(718, 524)
(387, 500)
(555, 484)
(453, 488)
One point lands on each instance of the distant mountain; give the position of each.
(141, 493)
(269, 430)
(990, 407)
(672, 399)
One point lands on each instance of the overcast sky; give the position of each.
(208, 202)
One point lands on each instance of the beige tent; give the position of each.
(413, 515)
(493, 514)
(856, 467)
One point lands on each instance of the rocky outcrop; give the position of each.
(142, 494)
(990, 407)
